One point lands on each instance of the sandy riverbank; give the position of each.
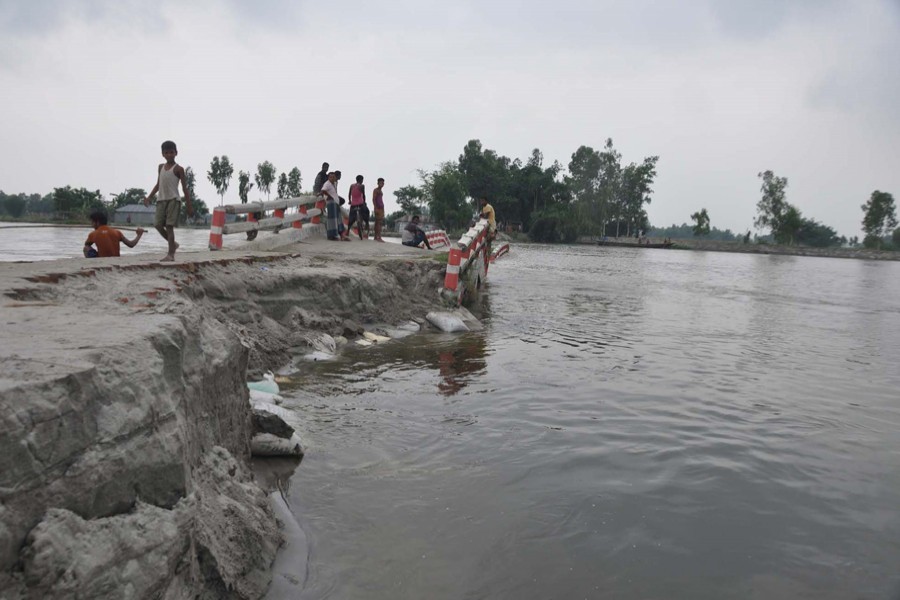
(124, 411)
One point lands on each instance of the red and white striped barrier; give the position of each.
(467, 264)
(501, 251)
(438, 238)
(279, 220)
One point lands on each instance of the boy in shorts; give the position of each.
(169, 204)
(378, 203)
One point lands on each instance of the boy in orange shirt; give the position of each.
(106, 238)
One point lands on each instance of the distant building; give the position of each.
(135, 214)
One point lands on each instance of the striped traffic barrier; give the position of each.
(451, 279)
(438, 238)
(280, 218)
(216, 229)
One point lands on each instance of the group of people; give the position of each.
(104, 241)
(326, 185)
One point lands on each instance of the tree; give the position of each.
(791, 225)
(770, 208)
(609, 184)
(219, 174)
(879, 217)
(635, 192)
(701, 222)
(13, 205)
(265, 176)
(78, 201)
(200, 208)
(409, 197)
(813, 233)
(244, 186)
(774, 212)
(129, 196)
(583, 182)
(283, 186)
(895, 237)
(446, 196)
(294, 181)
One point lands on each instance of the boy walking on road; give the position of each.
(169, 204)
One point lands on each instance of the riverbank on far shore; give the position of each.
(736, 246)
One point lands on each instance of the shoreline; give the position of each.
(126, 409)
(774, 249)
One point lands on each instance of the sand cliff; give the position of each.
(124, 416)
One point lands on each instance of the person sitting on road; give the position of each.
(106, 238)
(413, 235)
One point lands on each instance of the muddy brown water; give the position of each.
(630, 424)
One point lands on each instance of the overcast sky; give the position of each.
(719, 89)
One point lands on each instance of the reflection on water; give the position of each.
(630, 424)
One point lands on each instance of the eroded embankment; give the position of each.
(124, 417)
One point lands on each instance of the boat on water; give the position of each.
(636, 244)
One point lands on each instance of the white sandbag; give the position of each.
(288, 416)
(266, 444)
(446, 321)
(411, 326)
(375, 338)
(258, 396)
(267, 384)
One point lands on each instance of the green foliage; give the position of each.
(77, 202)
(895, 238)
(445, 194)
(390, 220)
(813, 233)
(685, 231)
(553, 228)
(879, 218)
(283, 186)
(15, 205)
(294, 181)
(129, 196)
(872, 242)
(410, 198)
(701, 222)
(265, 176)
(789, 228)
(219, 174)
(244, 186)
(200, 208)
(774, 212)
(190, 180)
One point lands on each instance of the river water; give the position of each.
(630, 424)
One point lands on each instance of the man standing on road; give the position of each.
(321, 178)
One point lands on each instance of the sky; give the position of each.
(719, 90)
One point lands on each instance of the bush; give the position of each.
(895, 237)
(545, 230)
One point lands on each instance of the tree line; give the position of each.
(598, 195)
(595, 194)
